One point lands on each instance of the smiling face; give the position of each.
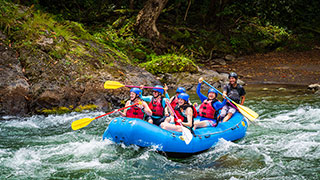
(155, 94)
(211, 95)
(232, 80)
(181, 102)
(132, 96)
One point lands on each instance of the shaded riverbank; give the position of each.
(301, 68)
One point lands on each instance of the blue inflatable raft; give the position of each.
(138, 132)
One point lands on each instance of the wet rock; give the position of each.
(315, 88)
(219, 61)
(229, 58)
(14, 88)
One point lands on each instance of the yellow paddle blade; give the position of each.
(247, 112)
(112, 85)
(78, 124)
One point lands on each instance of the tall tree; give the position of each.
(147, 17)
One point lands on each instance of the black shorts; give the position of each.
(156, 121)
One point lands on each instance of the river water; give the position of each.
(284, 143)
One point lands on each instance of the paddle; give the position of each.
(116, 85)
(78, 124)
(186, 134)
(245, 111)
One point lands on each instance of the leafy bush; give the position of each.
(252, 35)
(170, 63)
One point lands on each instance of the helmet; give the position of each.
(180, 90)
(184, 96)
(233, 74)
(137, 91)
(159, 90)
(212, 90)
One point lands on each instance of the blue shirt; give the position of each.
(216, 105)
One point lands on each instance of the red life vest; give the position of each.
(135, 112)
(156, 107)
(181, 115)
(174, 101)
(206, 109)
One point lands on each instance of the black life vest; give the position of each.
(181, 114)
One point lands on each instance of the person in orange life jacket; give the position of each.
(139, 110)
(157, 104)
(235, 92)
(185, 113)
(209, 108)
(174, 99)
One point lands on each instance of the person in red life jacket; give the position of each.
(137, 111)
(157, 104)
(235, 92)
(185, 113)
(209, 109)
(174, 99)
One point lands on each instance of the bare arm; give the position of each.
(146, 108)
(189, 114)
(124, 113)
(243, 98)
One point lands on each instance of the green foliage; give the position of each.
(170, 63)
(253, 36)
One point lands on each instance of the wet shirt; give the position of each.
(234, 93)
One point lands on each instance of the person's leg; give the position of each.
(231, 111)
(171, 127)
(158, 121)
(199, 124)
(223, 112)
(226, 118)
(149, 119)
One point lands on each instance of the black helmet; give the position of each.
(233, 74)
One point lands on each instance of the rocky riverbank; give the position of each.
(32, 85)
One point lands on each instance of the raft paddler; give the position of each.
(209, 109)
(174, 99)
(185, 113)
(235, 92)
(157, 105)
(139, 111)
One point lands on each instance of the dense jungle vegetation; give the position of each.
(159, 35)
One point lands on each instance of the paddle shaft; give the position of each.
(116, 110)
(233, 103)
(217, 91)
(169, 105)
(131, 86)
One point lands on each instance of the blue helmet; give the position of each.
(180, 90)
(137, 91)
(161, 91)
(211, 90)
(184, 96)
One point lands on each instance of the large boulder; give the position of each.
(14, 88)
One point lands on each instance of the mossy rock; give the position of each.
(170, 63)
(63, 110)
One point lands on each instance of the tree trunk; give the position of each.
(147, 17)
